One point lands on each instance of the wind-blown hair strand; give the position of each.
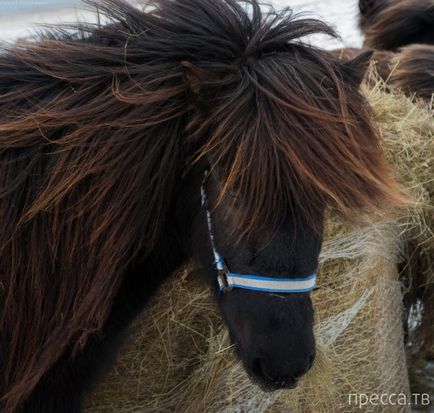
(98, 125)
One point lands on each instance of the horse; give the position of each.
(189, 129)
(391, 25)
(412, 71)
(404, 32)
(402, 36)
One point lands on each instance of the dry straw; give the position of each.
(179, 359)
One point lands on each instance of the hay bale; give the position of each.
(408, 136)
(179, 359)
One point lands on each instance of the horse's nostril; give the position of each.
(259, 371)
(281, 374)
(299, 373)
(311, 360)
(304, 368)
(257, 367)
(288, 382)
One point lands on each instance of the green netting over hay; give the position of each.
(179, 359)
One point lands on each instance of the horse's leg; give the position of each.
(64, 387)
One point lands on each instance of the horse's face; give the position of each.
(272, 332)
(284, 135)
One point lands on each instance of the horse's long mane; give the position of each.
(96, 123)
(390, 25)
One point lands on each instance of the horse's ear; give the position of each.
(355, 69)
(191, 78)
(369, 6)
(365, 6)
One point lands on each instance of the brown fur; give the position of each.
(381, 59)
(407, 28)
(97, 127)
(410, 70)
(413, 71)
(389, 25)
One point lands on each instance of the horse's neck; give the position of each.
(169, 252)
(147, 273)
(172, 248)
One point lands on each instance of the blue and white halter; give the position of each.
(228, 280)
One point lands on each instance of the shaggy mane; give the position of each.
(97, 127)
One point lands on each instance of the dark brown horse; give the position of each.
(402, 31)
(392, 24)
(412, 70)
(402, 34)
(106, 133)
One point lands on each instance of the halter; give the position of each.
(228, 280)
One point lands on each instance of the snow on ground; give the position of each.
(19, 17)
(340, 14)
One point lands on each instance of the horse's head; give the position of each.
(369, 8)
(263, 282)
(280, 132)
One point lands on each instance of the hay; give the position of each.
(408, 136)
(179, 359)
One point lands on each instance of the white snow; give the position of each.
(19, 17)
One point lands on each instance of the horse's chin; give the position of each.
(270, 387)
(265, 385)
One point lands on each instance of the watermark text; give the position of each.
(362, 400)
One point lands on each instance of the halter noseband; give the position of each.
(228, 280)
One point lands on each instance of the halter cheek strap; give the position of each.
(228, 280)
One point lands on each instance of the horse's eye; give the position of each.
(231, 194)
